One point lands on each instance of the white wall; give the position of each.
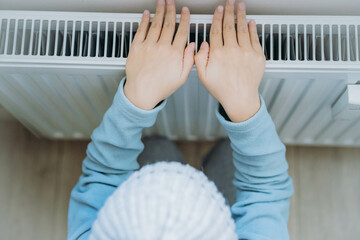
(307, 7)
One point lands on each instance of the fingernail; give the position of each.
(231, 2)
(203, 44)
(252, 22)
(146, 12)
(242, 6)
(185, 10)
(169, 1)
(161, 2)
(220, 8)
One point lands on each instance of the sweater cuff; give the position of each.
(248, 125)
(132, 111)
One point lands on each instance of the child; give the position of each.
(169, 200)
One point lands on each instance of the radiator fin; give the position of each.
(86, 38)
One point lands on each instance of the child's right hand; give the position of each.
(159, 63)
(232, 70)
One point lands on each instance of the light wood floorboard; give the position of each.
(37, 175)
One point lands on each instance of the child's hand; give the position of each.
(157, 66)
(232, 69)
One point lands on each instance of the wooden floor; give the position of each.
(36, 177)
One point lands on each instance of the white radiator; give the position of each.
(59, 72)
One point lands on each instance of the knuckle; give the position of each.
(160, 9)
(145, 19)
(253, 30)
(243, 29)
(171, 12)
(229, 10)
(216, 51)
(233, 49)
(175, 53)
(218, 17)
(182, 31)
(155, 25)
(229, 27)
(256, 56)
(242, 19)
(242, 14)
(135, 47)
(246, 52)
(162, 46)
(147, 47)
(169, 24)
(215, 31)
(141, 30)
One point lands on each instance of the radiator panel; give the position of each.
(69, 106)
(57, 105)
(60, 71)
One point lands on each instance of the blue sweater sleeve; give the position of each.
(111, 159)
(261, 178)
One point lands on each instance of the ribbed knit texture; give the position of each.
(166, 200)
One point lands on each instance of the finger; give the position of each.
(216, 37)
(188, 60)
(242, 27)
(183, 30)
(201, 60)
(167, 32)
(156, 25)
(229, 24)
(142, 30)
(254, 38)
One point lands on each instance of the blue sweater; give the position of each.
(263, 184)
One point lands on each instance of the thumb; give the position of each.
(201, 59)
(188, 59)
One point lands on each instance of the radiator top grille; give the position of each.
(97, 36)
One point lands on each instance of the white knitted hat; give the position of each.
(165, 201)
